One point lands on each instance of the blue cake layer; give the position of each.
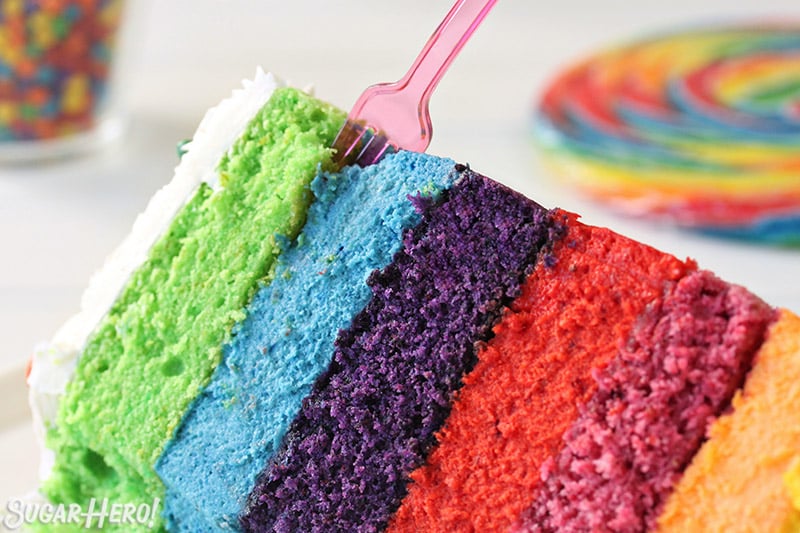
(234, 427)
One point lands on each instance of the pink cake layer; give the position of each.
(746, 477)
(675, 374)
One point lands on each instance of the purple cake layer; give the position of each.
(371, 418)
(677, 372)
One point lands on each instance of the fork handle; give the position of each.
(443, 46)
(399, 110)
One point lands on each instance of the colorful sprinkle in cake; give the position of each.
(700, 127)
(409, 346)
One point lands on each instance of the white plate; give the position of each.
(19, 452)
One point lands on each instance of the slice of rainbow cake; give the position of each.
(409, 346)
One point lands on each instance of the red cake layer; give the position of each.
(525, 392)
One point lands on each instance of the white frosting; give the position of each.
(54, 363)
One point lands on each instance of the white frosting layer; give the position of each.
(54, 363)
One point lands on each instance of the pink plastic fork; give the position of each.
(395, 115)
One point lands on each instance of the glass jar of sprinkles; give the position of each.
(56, 96)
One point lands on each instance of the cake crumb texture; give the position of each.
(354, 226)
(679, 369)
(745, 477)
(371, 417)
(574, 311)
(160, 342)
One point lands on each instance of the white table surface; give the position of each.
(58, 221)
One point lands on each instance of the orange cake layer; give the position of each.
(575, 309)
(738, 481)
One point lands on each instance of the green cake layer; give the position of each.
(172, 318)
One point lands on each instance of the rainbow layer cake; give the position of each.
(409, 346)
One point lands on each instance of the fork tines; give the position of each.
(357, 143)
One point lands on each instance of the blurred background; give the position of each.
(58, 220)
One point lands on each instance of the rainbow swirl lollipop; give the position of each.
(700, 127)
